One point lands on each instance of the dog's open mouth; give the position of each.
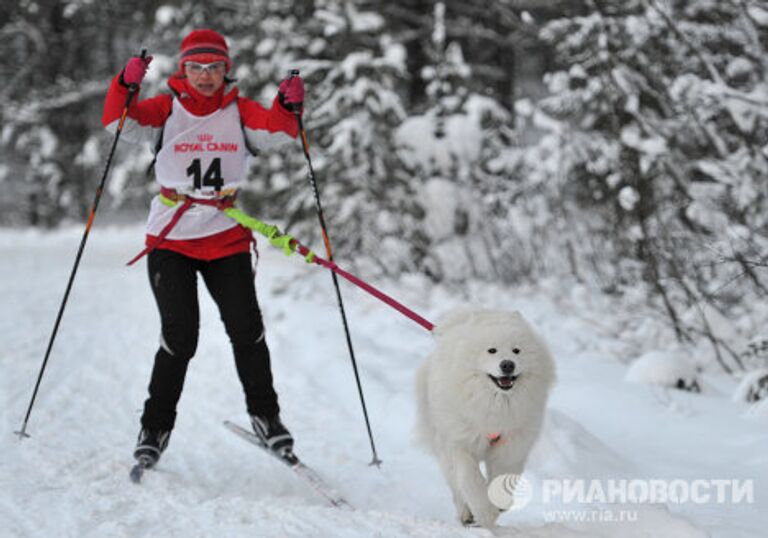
(504, 382)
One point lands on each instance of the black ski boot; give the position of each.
(150, 445)
(273, 435)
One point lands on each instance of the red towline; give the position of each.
(367, 287)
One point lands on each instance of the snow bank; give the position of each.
(665, 368)
(753, 387)
(71, 477)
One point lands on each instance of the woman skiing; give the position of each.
(203, 133)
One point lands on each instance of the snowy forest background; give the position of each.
(620, 145)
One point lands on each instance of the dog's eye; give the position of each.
(492, 350)
(515, 351)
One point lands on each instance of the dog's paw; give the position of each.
(466, 517)
(487, 516)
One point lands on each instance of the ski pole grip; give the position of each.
(133, 88)
(295, 108)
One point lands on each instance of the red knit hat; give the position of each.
(204, 46)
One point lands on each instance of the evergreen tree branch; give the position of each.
(713, 72)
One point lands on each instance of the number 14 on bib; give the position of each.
(211, 177)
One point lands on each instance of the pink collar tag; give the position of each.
(493, 438)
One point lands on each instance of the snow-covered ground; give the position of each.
(71, 477)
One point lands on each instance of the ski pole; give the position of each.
(318, 206)
(132, 89)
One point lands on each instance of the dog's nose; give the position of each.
(507, 367)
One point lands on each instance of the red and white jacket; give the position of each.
(206, 143)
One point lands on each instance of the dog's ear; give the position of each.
(454, 318)
(469, 315)
(516, 319)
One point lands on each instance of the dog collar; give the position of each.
(493, 438)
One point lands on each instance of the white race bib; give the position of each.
(202, 153)
(199, 156)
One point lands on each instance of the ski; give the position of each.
(307, 474)
(138, 470)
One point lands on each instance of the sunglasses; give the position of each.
(215, 68)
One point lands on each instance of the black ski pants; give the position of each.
(230, 281)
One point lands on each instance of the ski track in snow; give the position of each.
(71, 477)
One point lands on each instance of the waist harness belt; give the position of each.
(170, 197)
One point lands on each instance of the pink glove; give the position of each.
(291, 92)
(135, 70)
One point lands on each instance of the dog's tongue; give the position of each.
(505, 381)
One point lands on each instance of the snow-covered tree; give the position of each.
(664, 152)
(442, 147)
(58, 58)
(352, 69)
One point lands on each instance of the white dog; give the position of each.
(481, 398)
